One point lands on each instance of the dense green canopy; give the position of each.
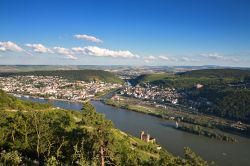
(48, 136)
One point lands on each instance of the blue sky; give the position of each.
(136, 32)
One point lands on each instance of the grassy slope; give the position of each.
(83, 75)
(135, 107)
(143, 151)
(75, 117)
(12, 103)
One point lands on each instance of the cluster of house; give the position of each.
(240, 85)
(152, 93)
(54, 87)
(239, 125)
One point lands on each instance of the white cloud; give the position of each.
(234, 59)
(186, 59)
(81, 50)
(176, 59)
(65, 51)
(88, 38)
(103, 52)
(10, 46)
(212, 55)
(71, 57)
(148, 59)
(39, 48)
(2, 49)
(164, 58)
(151, 58)
(173, 59)
(170, 59)
(227, 58)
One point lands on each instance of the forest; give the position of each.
(190, 78)
(227, 102)
(219, 73)
(38, 134)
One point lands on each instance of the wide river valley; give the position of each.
(223, 153)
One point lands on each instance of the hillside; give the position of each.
(81, 75)
(224, 89)
(12, 103)
(190, 78)
(49, 136)
(225, 101)
(149, 78)
(219, 73)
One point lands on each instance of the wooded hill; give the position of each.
(81, 75)
(43, 135)
(10, 103)
(190, 78)
(218, 73)
(224, 88)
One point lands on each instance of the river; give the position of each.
(223, 153)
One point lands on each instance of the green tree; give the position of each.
(194, 159)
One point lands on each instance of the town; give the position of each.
(152, 93)
(54, 87)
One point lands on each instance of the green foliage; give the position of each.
(10, 158)
(228, 102)
(235, 105)
(189, 79)
(199, 130)
(12, 103)
(193, 159)
(219, 73)
(64, 137)
(52, 161)
(157, 76)
(81, 75)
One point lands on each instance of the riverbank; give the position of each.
(199, 130)
(131, 122)
(98, 96)
(160, 113)
(47, 98)
(191, 128)
(136, 108)
(207, 125)
(122, 148)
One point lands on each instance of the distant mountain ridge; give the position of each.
(28, 68)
